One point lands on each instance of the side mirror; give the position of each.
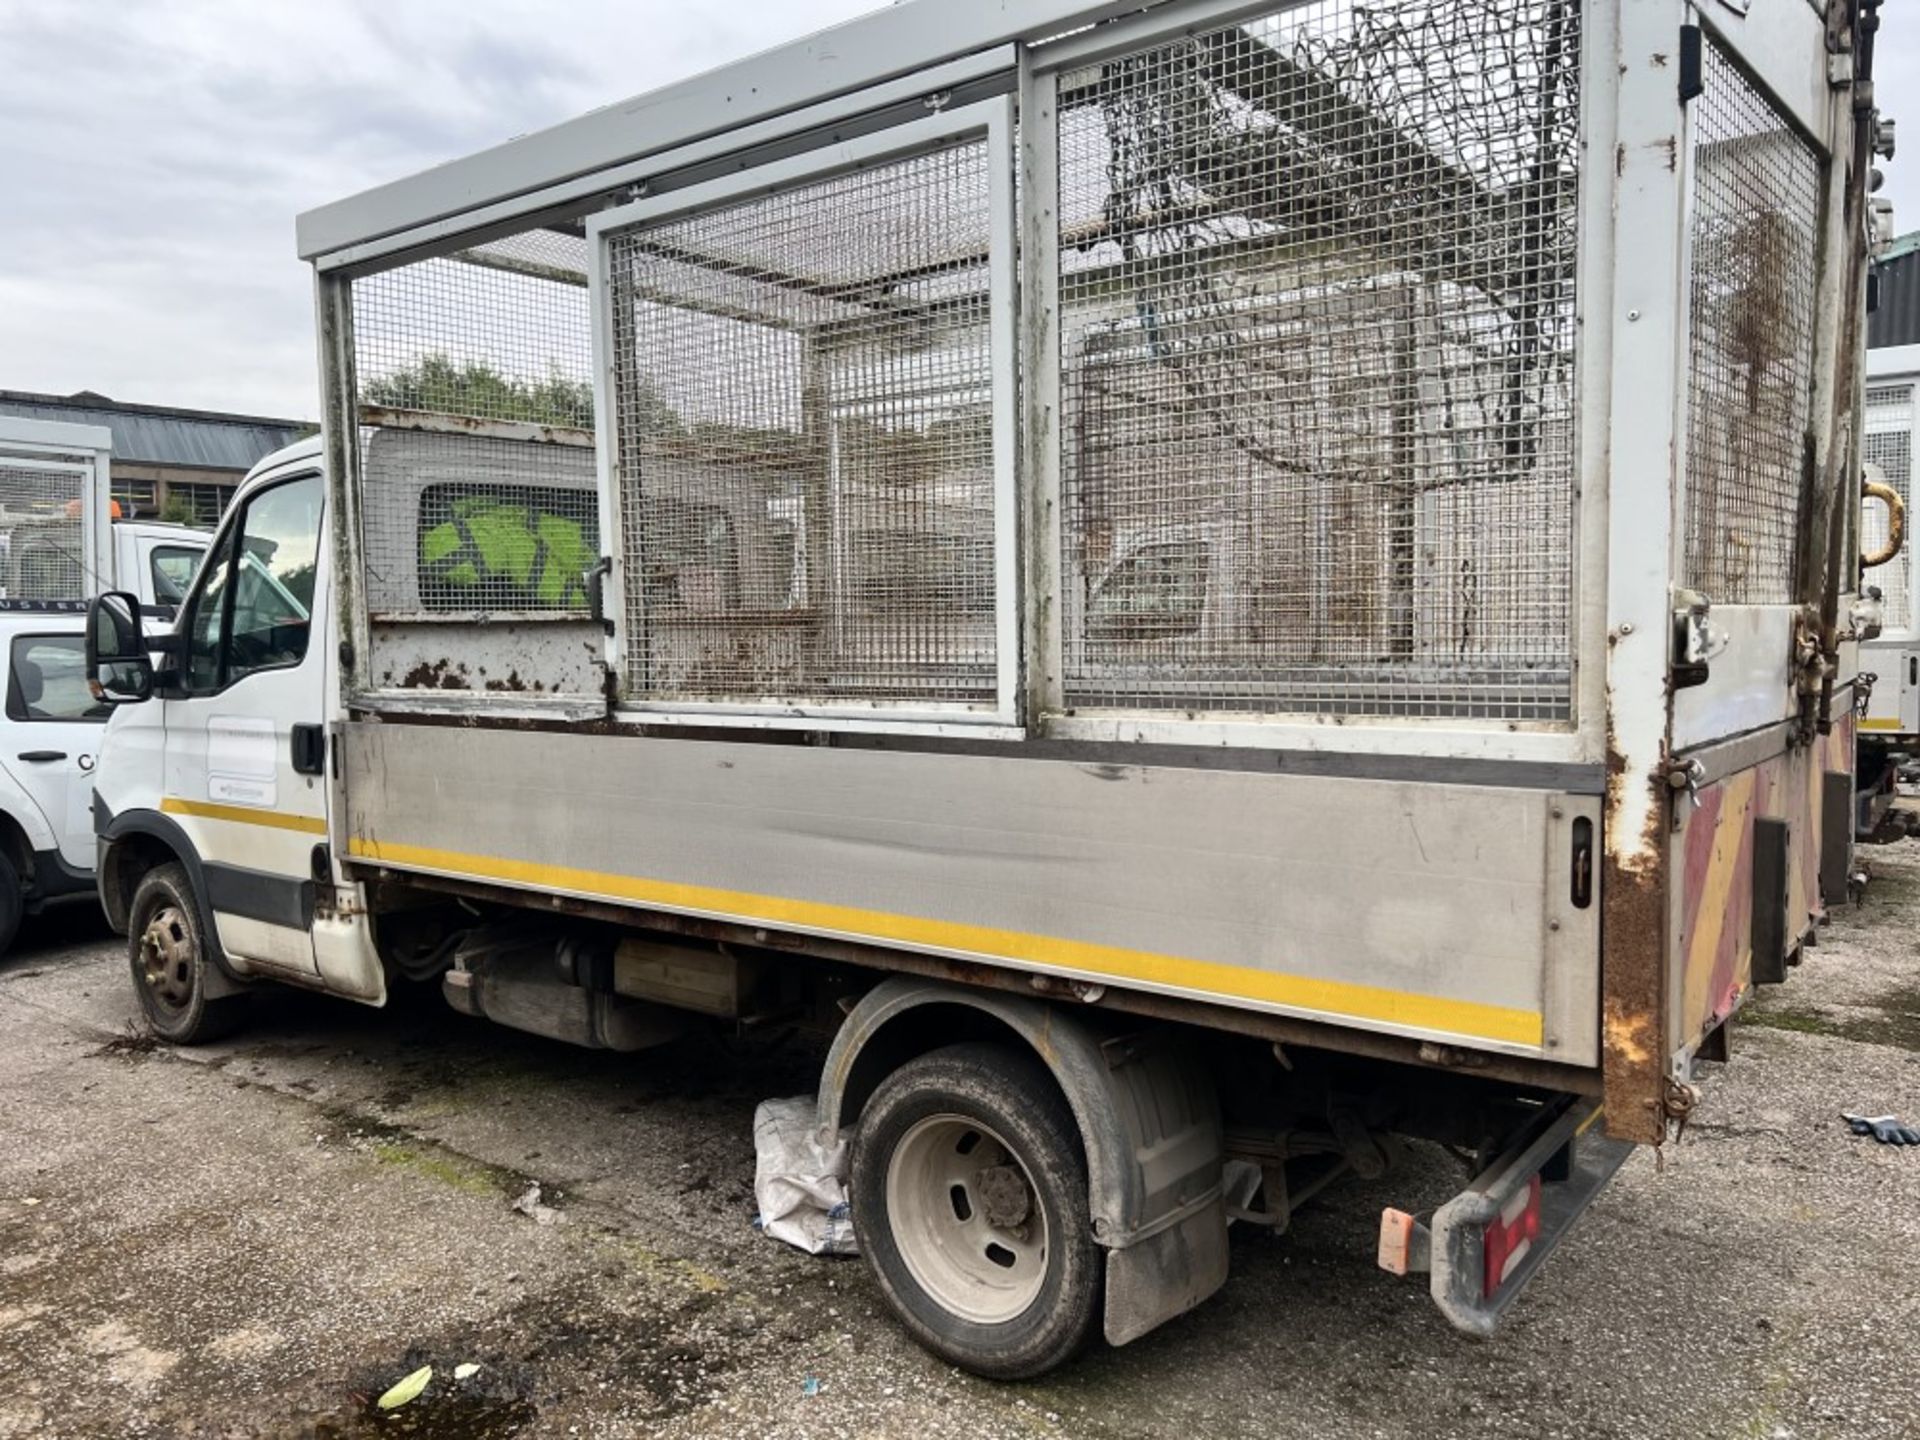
(119, 668)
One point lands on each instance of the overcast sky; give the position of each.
(153, 154)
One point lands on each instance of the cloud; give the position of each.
(154, 165)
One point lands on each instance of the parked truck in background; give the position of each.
(1193, 580)
(60, 544)
(1890, 719)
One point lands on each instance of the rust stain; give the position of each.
(1634, 935)
(440, 675)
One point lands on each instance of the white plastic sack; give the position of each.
(800, 1184)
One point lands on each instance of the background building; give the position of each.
(1895, 319)
(176, 464)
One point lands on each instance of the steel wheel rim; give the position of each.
(954, 1187)
(167, 959)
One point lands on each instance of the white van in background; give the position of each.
(61, 544)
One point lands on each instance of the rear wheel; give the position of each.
(970, 1203)
(168, 955)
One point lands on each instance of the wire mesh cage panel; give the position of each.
(43, 551)
(1888, 443)
(805, 446)
(1756, 217)
(1317, 343)
(477, 485)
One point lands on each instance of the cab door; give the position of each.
(164, 570)
(245, 758)
(53, 731)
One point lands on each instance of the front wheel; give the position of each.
(168, 955)
(970, 1203)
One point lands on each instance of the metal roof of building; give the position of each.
(161, 434)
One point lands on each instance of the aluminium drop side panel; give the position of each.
(1442, 912)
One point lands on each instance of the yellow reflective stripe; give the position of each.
(1879, 724)
(1232, 982)
(245, 815)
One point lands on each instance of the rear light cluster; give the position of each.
(1510, 1235)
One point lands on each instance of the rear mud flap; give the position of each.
(1167, 1273)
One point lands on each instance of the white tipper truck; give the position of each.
(1190, 580)
(60, 545)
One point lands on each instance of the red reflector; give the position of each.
(1510, 1235)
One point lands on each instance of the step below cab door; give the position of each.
(245, 751)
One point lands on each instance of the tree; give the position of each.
(437, 383)
(178, 510)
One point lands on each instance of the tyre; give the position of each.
(168, 955)
(13, 904)
(969, 1194)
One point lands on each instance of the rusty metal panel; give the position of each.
(1748, 862)
(1713, 854)
(1634, 115)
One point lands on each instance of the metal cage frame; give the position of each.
(991, 121)
(1631, 333)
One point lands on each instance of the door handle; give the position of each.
(41, 757)
(309, 750)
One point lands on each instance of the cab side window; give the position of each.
(47, 680)
(173, 569)
(201, 667)
(254, 611)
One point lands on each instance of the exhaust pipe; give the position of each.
(556, 985)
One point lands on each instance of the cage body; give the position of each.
(55, 541)
(1221, 488)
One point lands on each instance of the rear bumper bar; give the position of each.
(1564, 1147)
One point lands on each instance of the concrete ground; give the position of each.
(257, 1238)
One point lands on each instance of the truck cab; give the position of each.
(211, 804)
